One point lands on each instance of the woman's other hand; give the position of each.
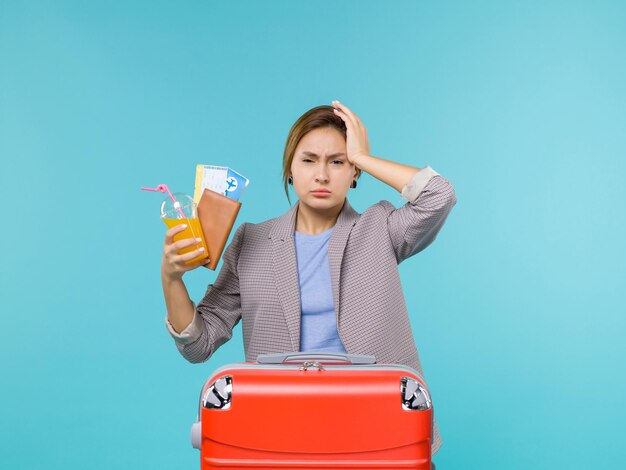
(173, 265)
(357, 143)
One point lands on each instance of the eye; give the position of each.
(337, 162)
(306, 160)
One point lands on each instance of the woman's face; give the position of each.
(320, 169)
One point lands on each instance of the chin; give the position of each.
(323, 203)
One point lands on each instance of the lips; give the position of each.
(320, 191)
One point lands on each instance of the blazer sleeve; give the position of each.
(217, 313)
(416, 224)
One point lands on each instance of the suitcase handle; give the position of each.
(324, 358)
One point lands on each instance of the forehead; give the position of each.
(322, 140)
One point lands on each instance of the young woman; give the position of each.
(320, 277)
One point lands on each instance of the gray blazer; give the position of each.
(258, 282)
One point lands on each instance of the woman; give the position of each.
(321, 276)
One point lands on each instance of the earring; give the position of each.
(353, 185)
(290, 180)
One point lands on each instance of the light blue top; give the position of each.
(318, 327)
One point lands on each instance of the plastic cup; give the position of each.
(171, 215)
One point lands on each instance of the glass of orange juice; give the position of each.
(184, 211)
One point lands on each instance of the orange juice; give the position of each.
(193, 230)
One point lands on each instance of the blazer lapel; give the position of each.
(286, 272)
(336, 247)
(286, 267)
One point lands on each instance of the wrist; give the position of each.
(170, 279)
(360, 159)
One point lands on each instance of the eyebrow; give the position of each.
(313, 154)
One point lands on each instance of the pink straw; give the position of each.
(164, 189)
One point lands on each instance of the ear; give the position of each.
(357, 172)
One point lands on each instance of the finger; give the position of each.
(174, 248)
(184, 243)
(354, 126)
(339, 108)
(197, 264)
(173, 231)
(343, 109)
(346, 119)
(188, 256)
(348, 112)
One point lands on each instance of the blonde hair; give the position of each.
(320, 116)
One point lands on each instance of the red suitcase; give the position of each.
(314, 410)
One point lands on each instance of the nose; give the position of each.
(322, 174)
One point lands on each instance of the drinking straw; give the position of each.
(164, 189)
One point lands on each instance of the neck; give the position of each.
(314, 222)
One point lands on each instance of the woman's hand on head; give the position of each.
(357, 143)
(173, 265)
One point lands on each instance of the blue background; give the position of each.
(517, 308)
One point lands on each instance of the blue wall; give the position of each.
(515, 308)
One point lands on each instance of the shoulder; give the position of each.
(381, 209)
(253, 233)
(372, 223)
(255, 229)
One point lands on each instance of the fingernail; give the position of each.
(198, 240)
(184, 225)
(201, 248)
